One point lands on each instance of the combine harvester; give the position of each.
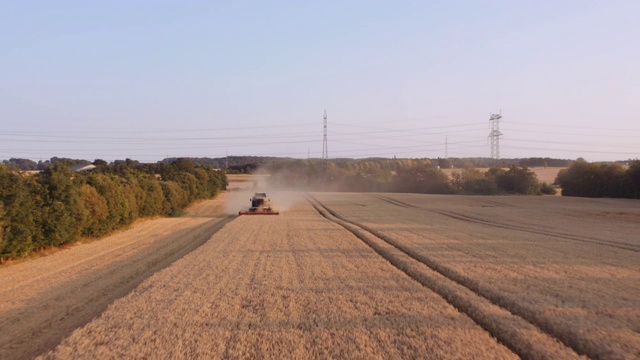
(260, 205)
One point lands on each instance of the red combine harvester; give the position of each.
(260, 205)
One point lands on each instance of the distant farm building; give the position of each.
(81, 168)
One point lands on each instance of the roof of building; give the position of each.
(79, 168)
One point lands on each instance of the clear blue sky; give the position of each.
(150, 79)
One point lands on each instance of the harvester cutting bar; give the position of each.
(258, 213)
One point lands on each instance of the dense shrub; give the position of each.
(632, 179)
(63, 213)
(422, 180)
(600, 180)
(177, 197)
(95, 209)
(19, 226)
(517, 180)
(547, 189)
(109, 188)
(154, 200)
(473, 181)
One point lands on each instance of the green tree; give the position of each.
(547, 189)
(109, 188)
(154, 201)
(19, 228)
(183, 165)
(422, 179)
(518, 180)
(63, 213)
(633, 180)
(444, 163)
(574, 180)
(612, 180)
(597, 180)
(177, 198)
(96, 210)
(473, 181)
(21, 164)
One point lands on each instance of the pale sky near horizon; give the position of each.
(153, 79)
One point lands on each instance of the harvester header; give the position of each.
(260, 205)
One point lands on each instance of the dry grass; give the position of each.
(294, 286)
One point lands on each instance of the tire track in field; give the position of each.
(44, 320)
(496, 203)
(520, 335)
(466, 218)
(565, 334)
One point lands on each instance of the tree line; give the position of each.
(27, 164)
(57, 206)
(248, 164)
(600, 180)
(402, 175)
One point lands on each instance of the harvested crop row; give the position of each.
(45, 299)
(609, 220)
(505, 225)
(522, 337)
(582, 293)
(295, 286)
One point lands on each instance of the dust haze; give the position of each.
(242, 187)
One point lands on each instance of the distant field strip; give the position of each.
(519, 335)
(467, 218)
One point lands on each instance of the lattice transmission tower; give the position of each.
(495, 135)
(446, 147)
(325, 150)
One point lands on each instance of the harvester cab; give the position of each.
(260, 205)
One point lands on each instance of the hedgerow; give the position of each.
(57, 206)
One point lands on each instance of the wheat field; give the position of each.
(294, 286)
(350, 275)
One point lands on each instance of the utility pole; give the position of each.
(325, 151)
(495, 135)
(226, 160)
